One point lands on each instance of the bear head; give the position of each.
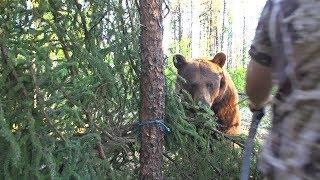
(203, 78)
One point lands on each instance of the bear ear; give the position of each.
(219, 59)
(179, 61)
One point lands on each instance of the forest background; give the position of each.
(205, 27)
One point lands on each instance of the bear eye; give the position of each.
(210, 85)
(193, 85)
(190, 87)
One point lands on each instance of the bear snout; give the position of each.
(203, 104)
(202, 97)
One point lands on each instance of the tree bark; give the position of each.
(152, 89)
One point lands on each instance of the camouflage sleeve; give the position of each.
(260, 50)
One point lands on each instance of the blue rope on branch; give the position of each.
(158, 122)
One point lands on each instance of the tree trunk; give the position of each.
(229, 35)
(210, 36)
(229, 48)
(223, 25)
(180, 25)
(244, 43)
(152, 89)
(216, 41)
(191, 26)
(174, 27)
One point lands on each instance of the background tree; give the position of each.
(244, 43)
(223, 27)
(176, 21)
(191, 26)
(210, 28)
(229, 33)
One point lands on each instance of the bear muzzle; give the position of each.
(203, 98)
(203, 104)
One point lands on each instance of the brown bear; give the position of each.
(210, 84)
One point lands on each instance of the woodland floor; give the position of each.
(264, 125)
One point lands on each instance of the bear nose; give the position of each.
(203, 105)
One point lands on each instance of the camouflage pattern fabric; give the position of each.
(288, 40)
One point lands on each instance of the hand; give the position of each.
(254, 107)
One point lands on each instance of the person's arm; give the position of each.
(258, 81)
(258, 84)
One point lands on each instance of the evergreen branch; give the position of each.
(227, 137)
(6, 133)
(13, 75)
(125, 33)
(98, 22)
(88, 116)
(216, 169)
(242, 94)
(239, 102)
(89, 119)
(176, 165)
(40, 99)
(83, 22)
(58, 31)
(121, 140)
(137, 5)
(130, 16)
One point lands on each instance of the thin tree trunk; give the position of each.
(223, 25)
(216, 40)
(244, 42)
(229, 49)
(152, 89)
(180, 25)
(175, 31)
(210, 36)
(229, 39)
(211, 27)
(191, 26)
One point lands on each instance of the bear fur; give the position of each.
(210, 84)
